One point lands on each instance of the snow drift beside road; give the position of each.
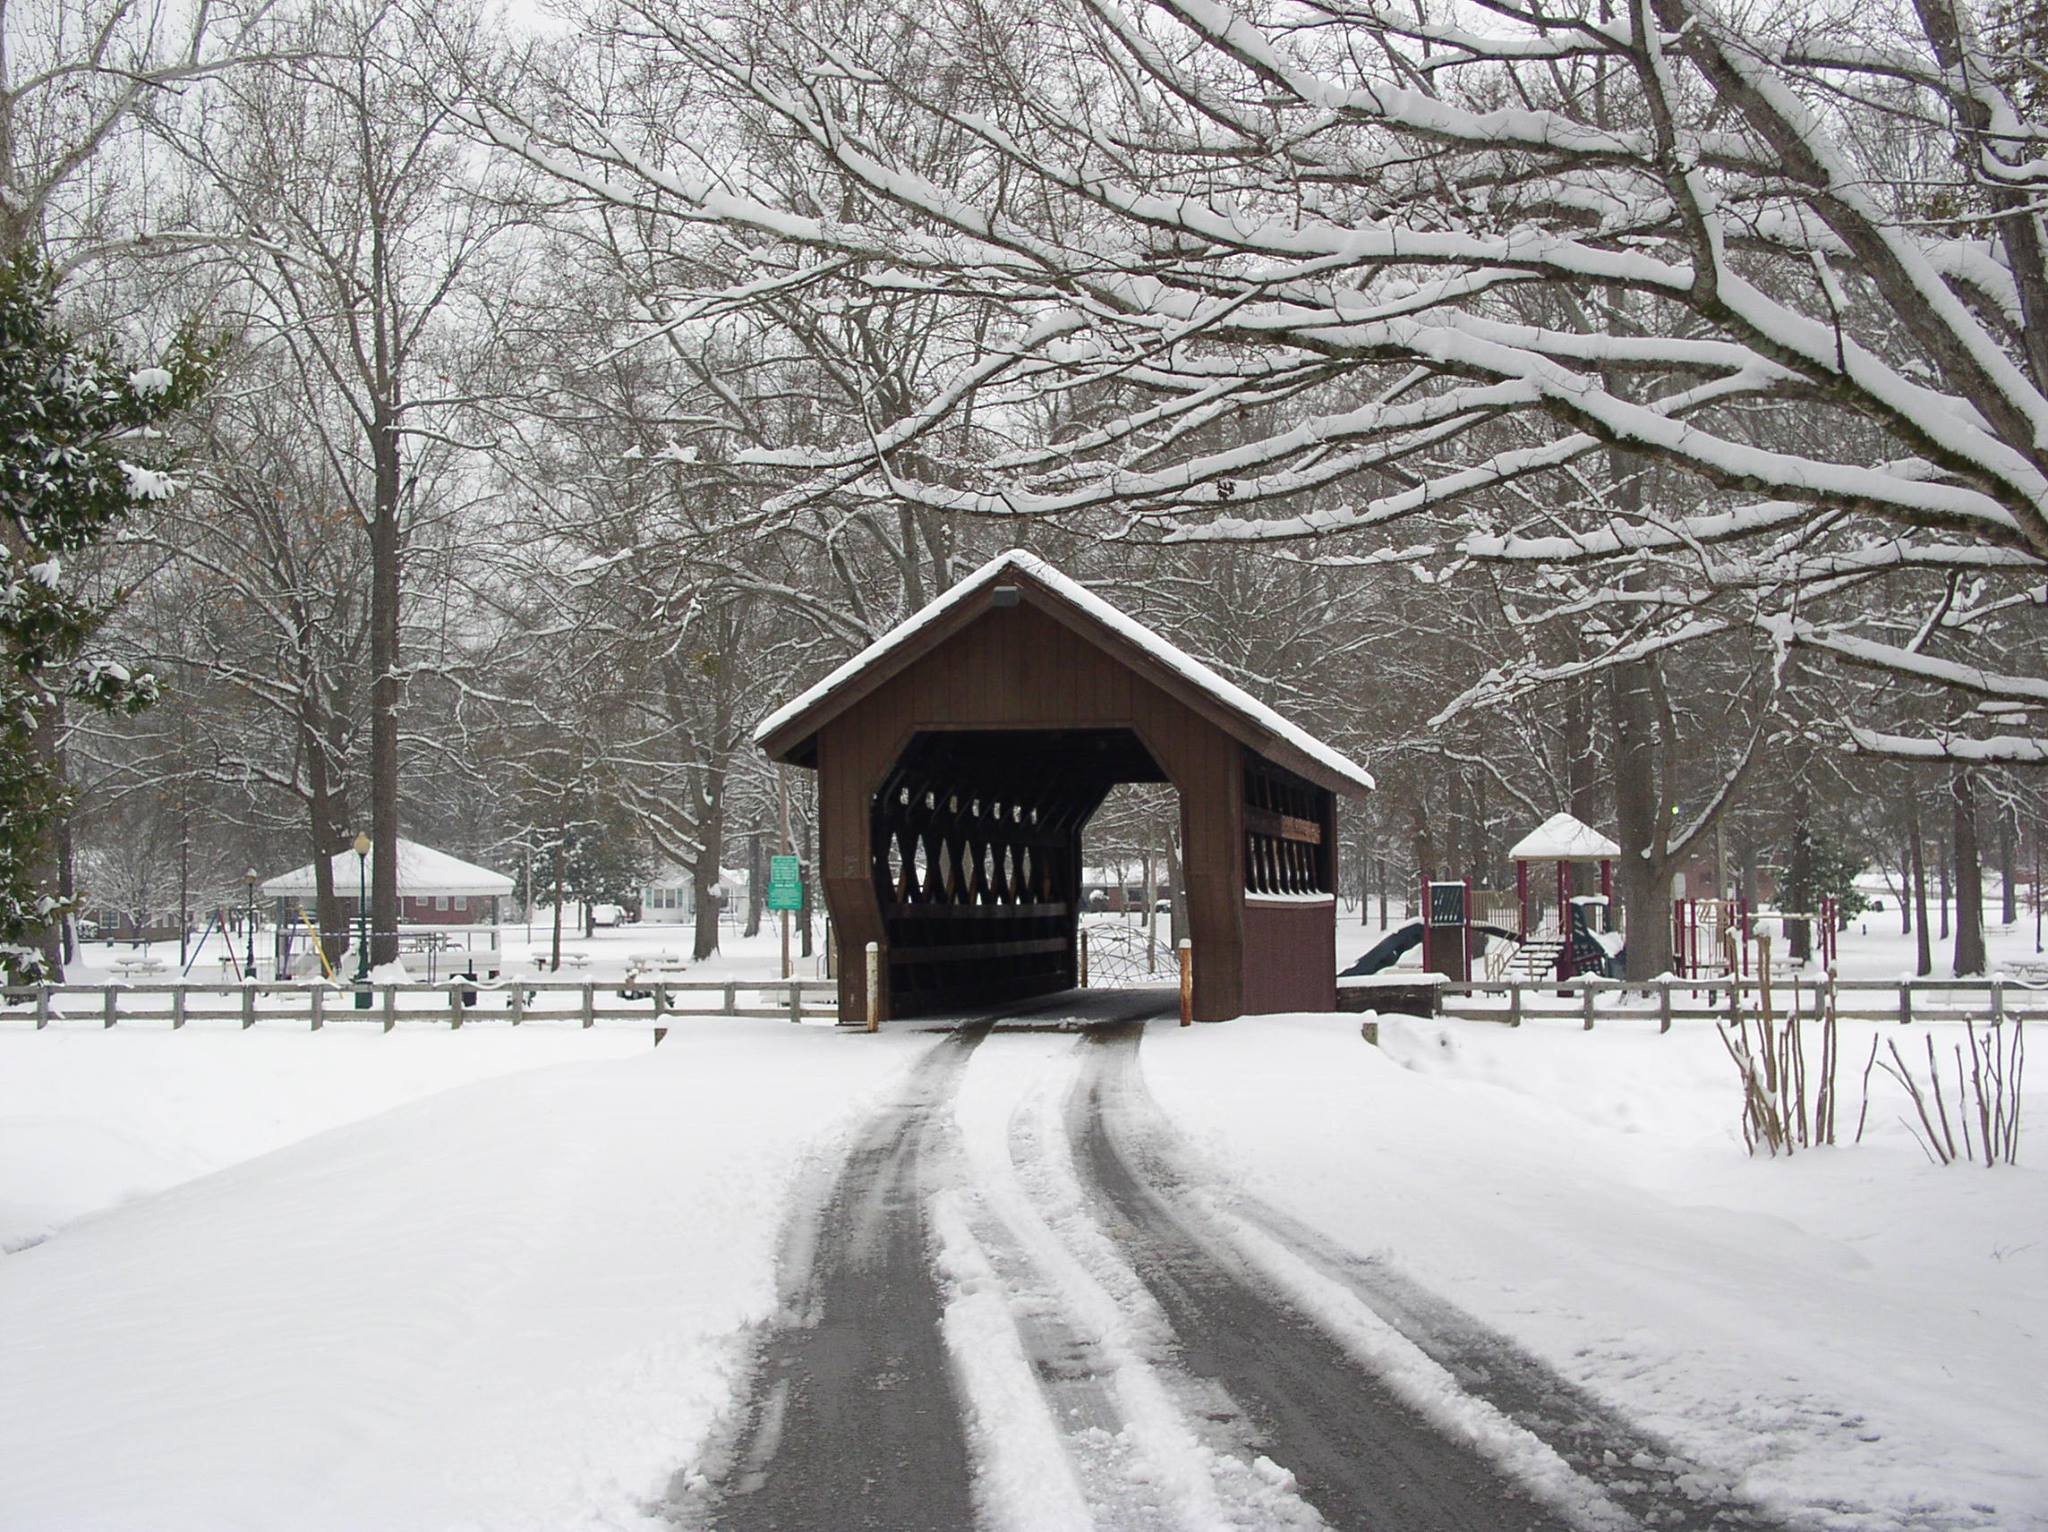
(1852, 1329)
(90, 1118)
(519, 1304)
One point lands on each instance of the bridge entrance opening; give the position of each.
(976, 837)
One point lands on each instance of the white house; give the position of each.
(670, 896)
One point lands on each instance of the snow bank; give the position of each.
(518, 1304)
(1852, 1330)
(89, 1119)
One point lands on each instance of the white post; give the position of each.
(874, 986)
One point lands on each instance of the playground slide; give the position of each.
(1387, 953)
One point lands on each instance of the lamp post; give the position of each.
(249, 878)
(362, 849)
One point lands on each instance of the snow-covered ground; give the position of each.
(1852, 1328)
(501, 1279)
(517, 1302)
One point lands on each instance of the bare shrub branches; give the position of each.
(1987, 1092)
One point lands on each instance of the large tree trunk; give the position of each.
(1917, 847)
(1643, 877)
(555, 944)
(326, 810)
(1943, 866)
(757, 878)
(49, 868)
(1969, 876)
(2008, 895)
(384, 685)
(710, 851)
(1799, 938)
(1906, 890)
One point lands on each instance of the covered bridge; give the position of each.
(960, 756)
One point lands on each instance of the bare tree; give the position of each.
(367, 240)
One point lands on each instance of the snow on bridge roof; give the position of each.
(1561, 838)
(901, 643)
(422, 872)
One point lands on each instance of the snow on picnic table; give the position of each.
(1853, 1329)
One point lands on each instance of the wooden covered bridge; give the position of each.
(961, 755)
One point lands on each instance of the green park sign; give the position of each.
(785, 883)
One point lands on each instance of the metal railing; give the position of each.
(640, 1002)
(1668, 1000)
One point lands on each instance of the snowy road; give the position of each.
(1013, 1312)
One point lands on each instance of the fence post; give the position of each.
(1084, 958)
(796, 999)
(42, 1006)
(589, 1003)
(318, 992)
(1664, 1004)
(1586, 1004)
(1905, 1002)
(874, 986)
(1186, 953)
(1514, 1002)
(732, 999)
(248, 1006)
(113, 1005)
(518, 1003)
(390, 1008)
(454, 1006)
(1998, 1002)
(178, 1009)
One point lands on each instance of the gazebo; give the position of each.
(960, 755)
(1567, 842)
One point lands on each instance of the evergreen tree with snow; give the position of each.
(77, 433)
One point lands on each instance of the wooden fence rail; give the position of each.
(588, 1002)
(1668, 1000)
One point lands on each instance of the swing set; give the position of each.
(1701, 928)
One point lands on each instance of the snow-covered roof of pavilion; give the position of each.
(902, 642)
(422, 872)
(1561, 838)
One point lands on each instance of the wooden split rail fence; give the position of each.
(643, 1002)
(1671, 1000)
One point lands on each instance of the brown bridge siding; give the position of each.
(1020, 668)
(1290, 955)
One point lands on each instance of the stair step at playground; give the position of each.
(1534, 959)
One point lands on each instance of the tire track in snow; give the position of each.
(853, 1423)
(1636, 1473)
(1131, 1438)
(1362, 1454)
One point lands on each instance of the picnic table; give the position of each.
(665, 961)
(130, 967)
(576, 960)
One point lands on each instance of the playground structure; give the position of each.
(1712, 937)
(1560, 937)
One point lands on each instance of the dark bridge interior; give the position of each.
(976, 838)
